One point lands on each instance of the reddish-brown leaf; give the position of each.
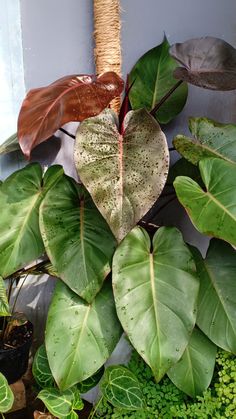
(71, 98)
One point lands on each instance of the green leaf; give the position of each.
(211, 139)
(153, 78)
(213, 212)
(91, 382)
(217, 295)
(41, 370)
(121, 388)
(124, 174)
(20, 198)
(155, 294)
(4, 305)
(11, 144)
(61, 404)
(79, 336)
(77, 239)
(193, 372)
(6, 395)
(184, 168)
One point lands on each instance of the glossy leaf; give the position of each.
(217, 295)
(61, 404)
(193, 372)
(71, 98)
(213, 212)
(77, 239)
(124, 174)
(121, 388)
(153, 78)
(155, 293)
(4, 306)
(91, 382)
(90, 331)
(41, 370)
(6, 395)
(11, 144)
(211, 139)
(207, 62)
(20, 197)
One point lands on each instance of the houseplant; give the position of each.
(124, 166)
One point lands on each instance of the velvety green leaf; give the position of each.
(61, 404)
(193, 372)
(79, 336)
(91, 382)
(4, 306)
(41, 370)
(20, 198)
(217, 295)
(153, 78)
(208, 62)
(6, 395)
(155, 294)
(184, 168)
(211, 139)
(124, 174)
(11, 144)
(121, 388)
(213, 211)
(77, 239)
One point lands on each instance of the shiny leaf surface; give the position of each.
(213, 212)
(193, 372)
(20, 197)
(207, 62)
(4, 306)
(155, 294)
(124, 174)
(153, 78)
(121, 388)
(6, 395)
(90, 331)
(77, 239)
(211, 139)
(61, 404)
(71, 98)
(41, 370)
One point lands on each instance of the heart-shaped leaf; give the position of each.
(155, 294)
(193, 372)
(41, 370)
(71, 98)
(152, 76)
(4, 305)
(61, 404)
(217, 295)
(77, 239)
(208, 62)
(20, 197)
(6, 395)
(124, 174)
(213, 212)
(121, 388)
(211, 139)
(91, 332)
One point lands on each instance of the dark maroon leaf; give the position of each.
(207, 62)
(71, 98)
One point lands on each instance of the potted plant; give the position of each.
(175, 307)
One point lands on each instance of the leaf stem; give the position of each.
(167, 95)
(67, 133)
(28, 271)
(18, 293)
(94, 410)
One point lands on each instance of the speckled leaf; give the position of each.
(61, 403)
(11, 144)
(211, 139)
(121, 388)
(77, 239)
(153, 78)
(213, 211)
(155, 293)
(91, 382)
(124, 174)
(4, 306)
(91, 332)
(217, 295)
(41, 370)
(193, 372)
(20, 197)
(208, 62)
(6, 395)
